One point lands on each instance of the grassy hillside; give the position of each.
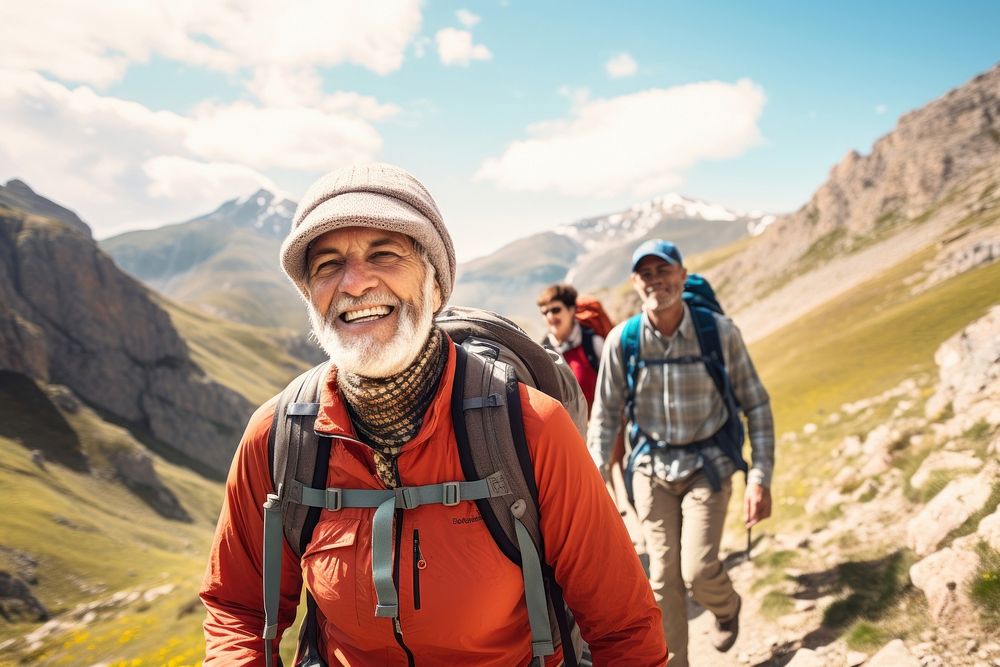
(224, 269)
(250, 360)
(90, 540)
(89, 537)
(857, 346)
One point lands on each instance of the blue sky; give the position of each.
(518, 115)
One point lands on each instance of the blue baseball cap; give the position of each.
(665, 250)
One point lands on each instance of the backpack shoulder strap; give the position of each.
(630, 355)
(588, 346)
(707, 330)
(489, 431)
(296, 454)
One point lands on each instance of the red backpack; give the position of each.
(590, 313)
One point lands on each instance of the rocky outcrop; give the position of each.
(938, 167)
(969, 369)
(989, 530)
(949, 509)
(69, 316)
(16, 195)
(17, 603)
(943, 461)
(943, 577)
(894, 654)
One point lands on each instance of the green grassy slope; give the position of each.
(859, 345)
(251, 360)
(91, 538)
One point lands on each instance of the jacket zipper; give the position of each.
(418, 562)
(397, 627)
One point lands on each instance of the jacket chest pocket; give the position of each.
(330, 568)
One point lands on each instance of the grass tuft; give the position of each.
(864, 635)
(985, 587)
(776, 604)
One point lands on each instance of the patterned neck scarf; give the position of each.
(388, 412)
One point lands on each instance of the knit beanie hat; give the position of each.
(375, 195)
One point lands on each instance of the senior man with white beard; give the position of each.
(371, 256)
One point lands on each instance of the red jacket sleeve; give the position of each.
(587, 543)
(232, 590)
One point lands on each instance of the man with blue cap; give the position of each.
(656, 372)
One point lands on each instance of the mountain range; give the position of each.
(225, 262)
(121, 401)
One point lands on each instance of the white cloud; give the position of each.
(455, 47)
(300, 138)
(620, 66)
(467, 18)
(174, 177)
(109, 157)
(278, 87)
(639, 143)
(94, 42)
(881, 109)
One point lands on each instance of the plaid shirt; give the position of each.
(679, 404)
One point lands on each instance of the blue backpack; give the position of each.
(703, 304)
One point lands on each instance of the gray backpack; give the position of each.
(493, 355)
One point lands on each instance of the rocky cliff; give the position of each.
(69, 316)
(940, 165)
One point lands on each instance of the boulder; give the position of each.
(943, 577)
(879, 440)
(894, 654)
(17, 603)
(950, 509)
(969, 370)
(943, 460)
(989, 529)
(805, 657)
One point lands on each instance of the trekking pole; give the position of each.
(748, 542)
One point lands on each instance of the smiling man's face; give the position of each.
(372, 299)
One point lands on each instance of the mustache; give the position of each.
(344, 303)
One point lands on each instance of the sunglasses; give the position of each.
(555, 310)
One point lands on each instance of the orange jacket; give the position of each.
(470, 608)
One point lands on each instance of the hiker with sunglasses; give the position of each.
(404, 552)
(681, 375)
(579, 344)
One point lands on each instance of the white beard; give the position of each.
(364, 355)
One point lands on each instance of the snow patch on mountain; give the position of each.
(264, 210)
(640, 219)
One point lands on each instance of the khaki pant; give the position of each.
(682, 524)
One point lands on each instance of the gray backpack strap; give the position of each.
(293, 454)
(486, 416)
(535, 365)
(293, 448)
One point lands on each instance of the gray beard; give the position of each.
(364, 355)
